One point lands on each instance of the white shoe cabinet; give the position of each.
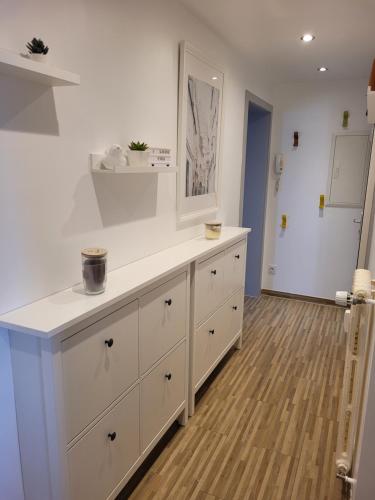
(99, 380)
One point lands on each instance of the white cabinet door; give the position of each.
(234, 314)
(162, 392)
(235, 261)
(162, 320)
(100, 460)
(99, 363)
(210, 341)
(209, 286)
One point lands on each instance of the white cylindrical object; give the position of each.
(343, 466)
(362, 284)
(342, 298)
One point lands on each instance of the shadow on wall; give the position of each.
(121, 198)
(126, 198)
(28, 107)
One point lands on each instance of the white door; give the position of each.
(347, 189)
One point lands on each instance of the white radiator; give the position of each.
(357, 325)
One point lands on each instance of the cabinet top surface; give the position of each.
(53, 314)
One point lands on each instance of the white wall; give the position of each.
(315, 255)
(50, 205)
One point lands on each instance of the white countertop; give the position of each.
(53, 314)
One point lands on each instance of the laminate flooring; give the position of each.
(265, 426)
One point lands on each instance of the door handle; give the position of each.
(357, 221)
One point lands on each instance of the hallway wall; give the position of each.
(311, 255)
(51, 206)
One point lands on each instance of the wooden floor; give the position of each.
(266, 427)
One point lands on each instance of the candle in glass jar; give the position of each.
(212, 230)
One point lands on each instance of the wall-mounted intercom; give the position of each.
(279, 168)
(279, 164)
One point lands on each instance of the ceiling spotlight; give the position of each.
(322, 69)
(214, 77)
(307, 37)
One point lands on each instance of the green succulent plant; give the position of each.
(36, 46)
(138, 146)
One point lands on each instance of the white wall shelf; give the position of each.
(96, 167)
(14, 64)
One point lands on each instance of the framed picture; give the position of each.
(199, 126)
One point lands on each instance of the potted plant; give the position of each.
(138, 154)
(37, 49)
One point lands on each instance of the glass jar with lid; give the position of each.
(94, 270)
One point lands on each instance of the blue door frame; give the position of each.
(255, 180)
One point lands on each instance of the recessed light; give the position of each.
(322, 69)
(214, 77)
(307, 37)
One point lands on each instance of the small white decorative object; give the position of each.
(160, 157)
(114, 157)
(38, 57)
(138, 158)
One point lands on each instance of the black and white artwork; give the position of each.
(201, 137)
(201, 85)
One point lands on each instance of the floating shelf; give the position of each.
(13, 64)
(96, 167)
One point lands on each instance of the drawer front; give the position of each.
(235, 262)
(162, 320)
(99, 364)
(162, 392)
(209, 286)
(210, 341)
(234, 308)
(96, 463)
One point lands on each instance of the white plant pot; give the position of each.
(138, 158)
(38, 57)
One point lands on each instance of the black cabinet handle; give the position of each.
(234, 308)
(168, 376)
(169, 302)
(109, 342)
(213, 271)
(237, 256)
(112, 436)
(212, 332)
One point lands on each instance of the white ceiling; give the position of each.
(267, 32)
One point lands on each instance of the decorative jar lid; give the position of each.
(213, 223)
(94, 252)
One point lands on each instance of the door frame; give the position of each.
(368, 211)
(253, 99)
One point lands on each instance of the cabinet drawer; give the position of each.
(162, 392)
(99, 364)
(162, 320)
(235, 261)
(210, 341)
(209, 286)
(96, 463)
(234, 314)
